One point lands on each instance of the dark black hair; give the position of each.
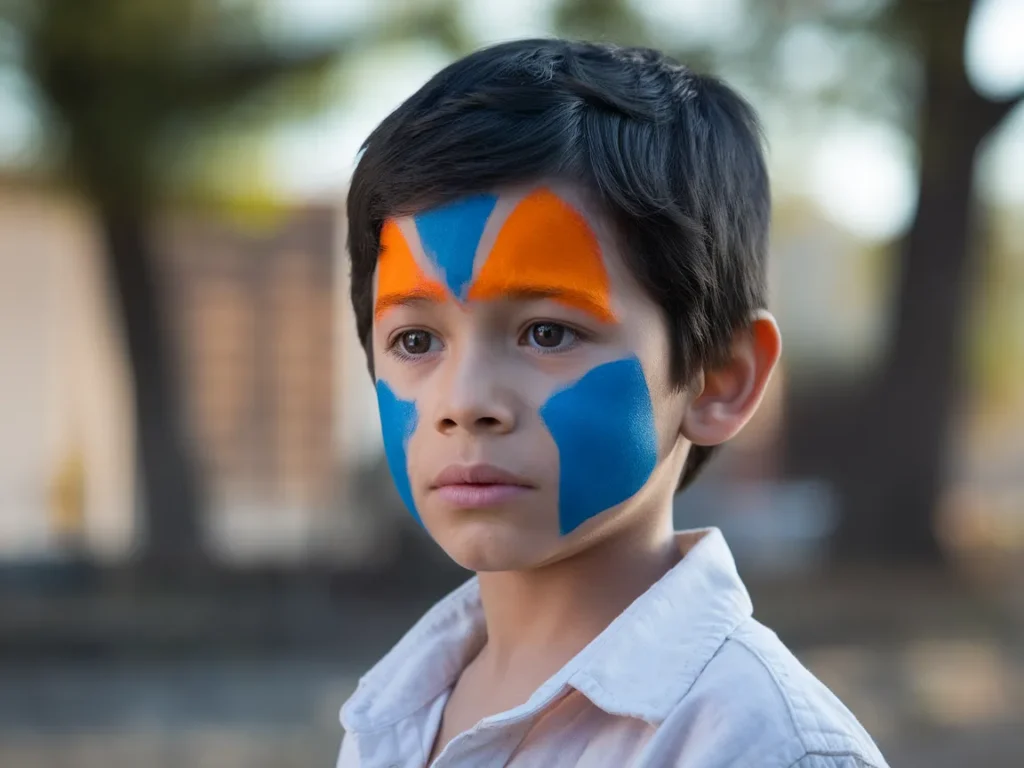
(674, 158)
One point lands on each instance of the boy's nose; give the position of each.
(474, 399)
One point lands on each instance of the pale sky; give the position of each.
(860, 173)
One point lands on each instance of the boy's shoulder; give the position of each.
(759, 701)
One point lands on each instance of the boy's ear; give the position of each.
(726, 397)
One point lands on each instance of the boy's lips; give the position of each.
(478, 485)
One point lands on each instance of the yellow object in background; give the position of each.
(67, 497)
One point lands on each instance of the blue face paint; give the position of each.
(604, 428)
(450, 235)
(398, 421)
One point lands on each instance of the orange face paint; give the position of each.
(399, 278)
(546, 248)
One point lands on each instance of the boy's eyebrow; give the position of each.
(578, 298)
(404, 298)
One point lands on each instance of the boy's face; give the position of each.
(522, 378)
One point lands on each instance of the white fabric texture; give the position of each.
(683, 677)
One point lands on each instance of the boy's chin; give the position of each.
(487, 545)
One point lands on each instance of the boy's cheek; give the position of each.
(398, 420)
(604, 428)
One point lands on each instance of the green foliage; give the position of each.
(800, 54)
(439, 21)
(614, 21)
(130, 86)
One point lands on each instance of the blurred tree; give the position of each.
(129, 88)
(883, 446)
(898, 439)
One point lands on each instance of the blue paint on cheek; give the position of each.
(604, 428)
(450, 235)
(398, 421)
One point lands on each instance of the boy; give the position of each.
(558, 272)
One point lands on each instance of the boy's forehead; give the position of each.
(542, 239)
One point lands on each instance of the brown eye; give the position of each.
(547, 334)
(416, 342)
(550, 337)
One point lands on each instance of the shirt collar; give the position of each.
(640, 666)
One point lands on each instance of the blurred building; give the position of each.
(253, 313)
(66, 444)
(256, 323)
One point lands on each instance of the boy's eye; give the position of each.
(550, 336)
(417, 342)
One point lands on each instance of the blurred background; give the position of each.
(200, 546)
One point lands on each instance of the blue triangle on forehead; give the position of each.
(450, 235)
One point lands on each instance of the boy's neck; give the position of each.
(538, 619)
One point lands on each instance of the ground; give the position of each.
(935, 672)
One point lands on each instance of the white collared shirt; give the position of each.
(683, 677)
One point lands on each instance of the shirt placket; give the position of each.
(487, 745)
(493, 741)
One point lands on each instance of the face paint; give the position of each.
(546, 248)
(398, 421)
(399, 277)
(604, 428)
(450, 235)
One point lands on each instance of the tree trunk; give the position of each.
(885, 449)
(906, 416)
(170, 492)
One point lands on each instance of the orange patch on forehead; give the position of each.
(546, 248)
(399, 278)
